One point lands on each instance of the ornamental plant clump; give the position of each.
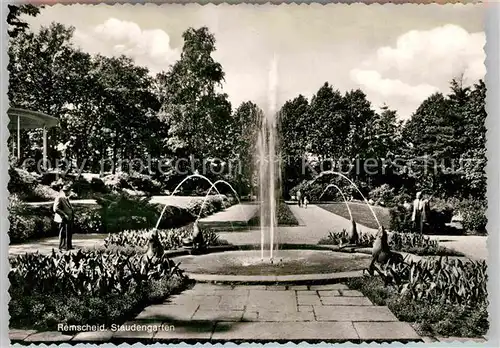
(96, 272)
(365, 240)
(170, 239)
(405, 242)
(440, 280)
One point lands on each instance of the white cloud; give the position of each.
(421, 63)
(150, 48)
(374, 81)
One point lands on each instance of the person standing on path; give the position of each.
(299, 198)
(64, 215)
(417, 218)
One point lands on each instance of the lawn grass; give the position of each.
(429, 319)
(361, 213)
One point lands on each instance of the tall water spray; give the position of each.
(269, 166)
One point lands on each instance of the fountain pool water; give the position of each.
(247, 262)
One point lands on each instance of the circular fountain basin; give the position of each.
(286, 262)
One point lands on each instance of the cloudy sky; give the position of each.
(397, 54)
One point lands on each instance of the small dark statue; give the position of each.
(353, 237)
(155, 248)
(381, 252)
(196, 242)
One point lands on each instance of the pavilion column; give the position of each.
(44, 147)
(18, 138)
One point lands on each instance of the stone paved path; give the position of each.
(315, 223)
(233, 217)
(224, 313)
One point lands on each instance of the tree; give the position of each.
(39, 76)
(329, 128)
(295, 125)
(360, 118)
(244, 132)
(384, 137)
(16, 25)
(196, 113)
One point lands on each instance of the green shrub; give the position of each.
(121, 212)
(474, 215)
(137, 182)
(34, 222)
(382, 195)
(441, 212)
(21, 182)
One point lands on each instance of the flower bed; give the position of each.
(284, 216)
(170, 239)
(442, 297)
(405, 242)
(91, 287)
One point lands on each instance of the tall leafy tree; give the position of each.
(329, 128)
(16, 24)
(295, 127)
(195, 110)
(244, 133)
(360, 118)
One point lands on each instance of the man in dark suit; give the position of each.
(64, 217)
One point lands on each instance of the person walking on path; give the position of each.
(306, 200)
(63, 215)
(299, 198)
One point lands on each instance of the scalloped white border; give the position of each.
(492, 48)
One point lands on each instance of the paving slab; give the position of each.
(250, 316)
(346, 301)
(168, 312)
(354, 293)
(193, 299)
(48, 336)
(276, 287)
(305, 308)
(268, 331)
(19, 335)
(385, 331)
(271, 300)
(328, 293)
(228, 302)
(285, 316)
(308, 300)
(307, 293)
(217, 315)
(353, 313)
(93, 336)
(329, 287)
